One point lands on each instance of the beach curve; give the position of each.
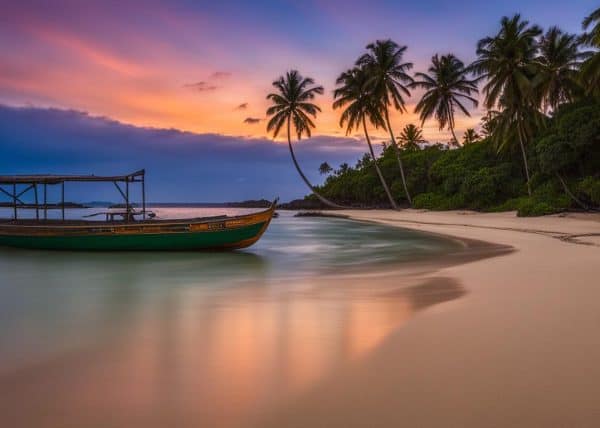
(520, 349)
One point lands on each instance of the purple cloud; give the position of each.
(181, 166)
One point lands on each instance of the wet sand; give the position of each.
(521, 348)
(231, 357)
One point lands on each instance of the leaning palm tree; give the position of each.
(410, 137)
(353, 95)
(471, 136)
(446, 87)
(590, 71)
(559, 60)
(507, 62)
(389, 80)
(292, 105)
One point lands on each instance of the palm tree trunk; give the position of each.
(454, 135)
(397, 151)
(571, 195)
(524, 157)
(383, 183)
(310, 186)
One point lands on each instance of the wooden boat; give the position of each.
(219, 232)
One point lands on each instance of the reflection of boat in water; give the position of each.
(217, 232)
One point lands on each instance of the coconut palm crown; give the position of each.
(471, 136)
(592, 24)
(447, 87)
(559, 60)
(389, 74)
(354, 96)
(410, 137)
(590, 71)
(506, 60)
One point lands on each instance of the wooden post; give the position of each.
(127, 199)
(144, 196)
(63, 200)
(15, 200)
(45, 202)
(37, 212)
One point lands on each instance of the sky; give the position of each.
(197, 73)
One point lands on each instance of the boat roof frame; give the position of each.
(31, 181)
(58, 178)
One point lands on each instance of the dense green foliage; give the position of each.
(540, 150)
(475, 177)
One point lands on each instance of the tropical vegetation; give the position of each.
(536, 149)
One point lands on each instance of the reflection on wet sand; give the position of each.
(52, 302)
(189, 358)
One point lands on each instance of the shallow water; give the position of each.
(212, 338)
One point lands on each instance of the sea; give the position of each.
(211, 338)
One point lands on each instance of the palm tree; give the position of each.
(410, 137)
(507, 62)
(344, 168)
(446, 88)
(590, 71)
(558, 60)
(292, 104)
(488, 122)
(325, 168)
(516, 121)
(353, 95)
(471, 136)
(388, 80)
(592, 20)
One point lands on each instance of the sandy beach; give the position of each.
(520, 349)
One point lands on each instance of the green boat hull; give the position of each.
(229, 238)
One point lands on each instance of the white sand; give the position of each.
(521, 349)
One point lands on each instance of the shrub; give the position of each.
(590, 188)
(532, 208)
(487, 186)
(508, 205)
(434, 201)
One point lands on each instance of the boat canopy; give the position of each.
(19, 185)
(57, 179)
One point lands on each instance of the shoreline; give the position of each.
(519, 348)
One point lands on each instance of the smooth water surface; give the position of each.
(197, 337)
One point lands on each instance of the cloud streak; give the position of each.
(218, 75)
(201, 86)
